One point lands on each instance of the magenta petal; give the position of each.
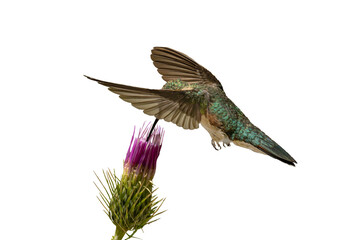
(142, 156)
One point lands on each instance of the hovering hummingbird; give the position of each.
(192, 95)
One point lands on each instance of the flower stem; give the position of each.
(119, 234)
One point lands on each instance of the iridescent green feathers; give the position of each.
(240, 130)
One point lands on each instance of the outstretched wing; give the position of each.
(173, 65)
(172, 106)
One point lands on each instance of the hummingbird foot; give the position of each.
(226, 144)
(217, 147)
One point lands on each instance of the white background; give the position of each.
(291, 66)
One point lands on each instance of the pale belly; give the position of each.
(216, 134)
(219, 136)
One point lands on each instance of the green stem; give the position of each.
(119, 234)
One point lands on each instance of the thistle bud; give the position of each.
(130, 202)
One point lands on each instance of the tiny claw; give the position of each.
(226, 144)
(213, 144)
(217, 144)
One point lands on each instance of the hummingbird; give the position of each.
(192, 95)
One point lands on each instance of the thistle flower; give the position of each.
(142, 154)
(130, 202)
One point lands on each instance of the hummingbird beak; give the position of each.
(152, 128)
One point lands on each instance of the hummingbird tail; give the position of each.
(258, 141)
(276, 151)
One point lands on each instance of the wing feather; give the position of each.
(172, 106)
(173, 65)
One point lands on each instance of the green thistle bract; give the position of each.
(130, 202)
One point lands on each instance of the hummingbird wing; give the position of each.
(172, 106)
(174, 65)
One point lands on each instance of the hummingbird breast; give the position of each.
(216, 133)
(223, 127)
(221, 116)
(224, 120)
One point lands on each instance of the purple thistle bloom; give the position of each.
(130, 201)
(142, 155)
